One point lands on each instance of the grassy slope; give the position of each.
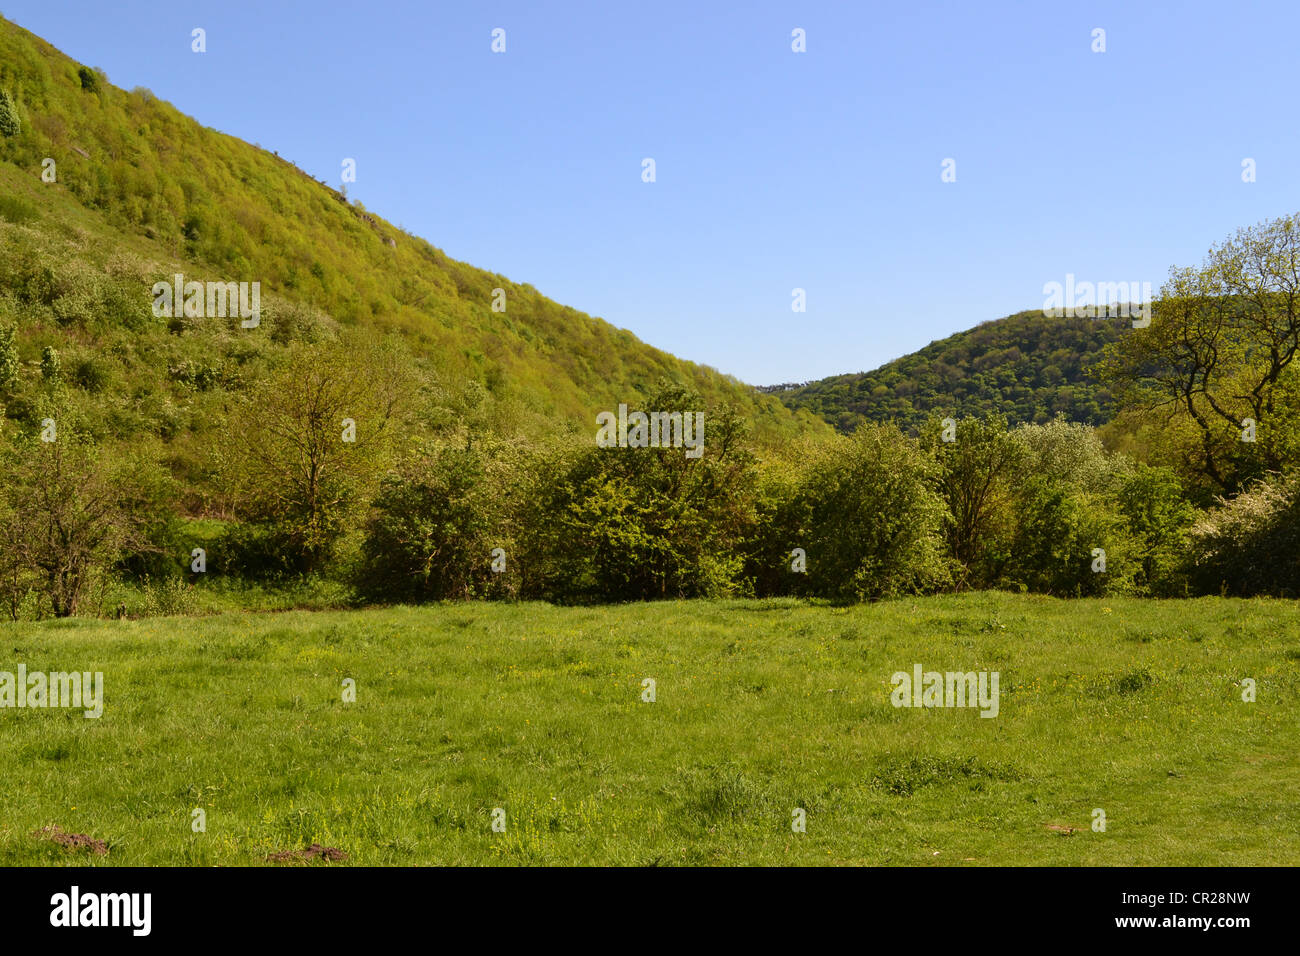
(157, 193)
(762, 707)
(1027, 367)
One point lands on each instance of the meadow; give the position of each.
(1130, 706)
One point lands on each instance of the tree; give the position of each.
(9, 122)
(633, 523)
(433, 527)
(68, 516)
(1221, 339)
(873, 525)
(309, 443)
(978, 474)
(1158, 517)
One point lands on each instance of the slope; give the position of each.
(1027, 367)
(142, 192)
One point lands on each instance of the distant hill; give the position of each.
(1027, 367)
(140, 192)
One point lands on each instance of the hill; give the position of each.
(1028, 367)
(105, 192)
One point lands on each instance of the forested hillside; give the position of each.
(1027, 367)
(140, 192)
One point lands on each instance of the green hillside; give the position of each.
(142, 192)
(1027, 367)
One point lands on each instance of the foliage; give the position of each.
(433, 528)
(308, 444)
(69, 512)
(979, 475)
(1218, 354)
(1028, 367)
(871, 519)
(636, 523)
(9, 122)
(1251, 544)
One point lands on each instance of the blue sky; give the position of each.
(775, 170)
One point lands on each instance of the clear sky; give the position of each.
(775, 170)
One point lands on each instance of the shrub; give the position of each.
(9, 123)
(51, 367)
(432, 531)
(622, 524)
(1058, 530)
(1251, 544)
(70, 513)
(872, 519)
(1159, 518)
(979, 473)
(9, 358)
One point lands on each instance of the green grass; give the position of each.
(762, 706)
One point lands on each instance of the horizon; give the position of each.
(767, 179)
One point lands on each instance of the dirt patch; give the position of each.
(72, 841)
(1058, 828)
(313, 852)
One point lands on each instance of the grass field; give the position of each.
(1130, 706)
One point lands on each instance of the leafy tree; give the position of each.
(309, 442)
(9, 122)
(433, 528)
(1222, 338)
(1059, 534)
(70, 515)
(873, 521)
(1159, 519)
(979, 473)
(640, 523)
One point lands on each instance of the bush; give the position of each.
(256, 552)
(1159, 518)
(51, 366)
(432, 531)
(10, 361)
(979, 473)
(1058, 531)
(173, 596)
(626, 524)
(1251, 544)
(9, 123)
(69, 511)
(872, 519)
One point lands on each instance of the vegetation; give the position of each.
(142, 193)
(1028, 367)
(378, 433)
(1216, 364)
(1134, 707)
